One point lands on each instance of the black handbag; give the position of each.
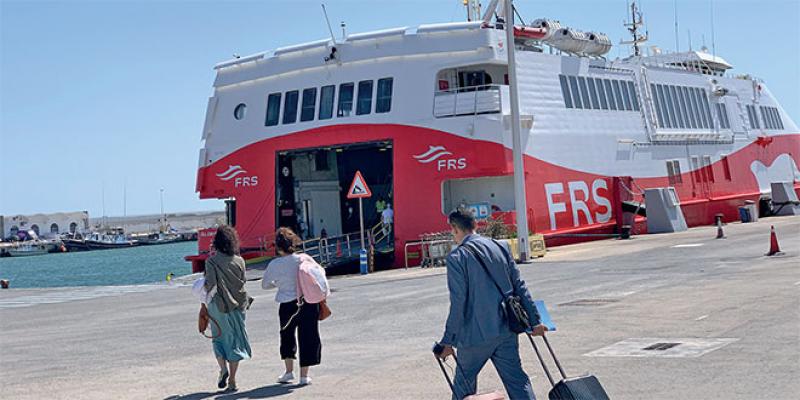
(513, 311)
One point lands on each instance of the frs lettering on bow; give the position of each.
(581, 202)
(439, 154)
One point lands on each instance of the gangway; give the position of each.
(342, 249)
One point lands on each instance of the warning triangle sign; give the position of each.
(359, 188)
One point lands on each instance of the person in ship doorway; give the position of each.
(387, 219)
(476, 325)
(224, 276)
(282, 272)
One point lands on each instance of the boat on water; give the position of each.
(28, 248)
(424, 114)
(112, 239)
(160, 238)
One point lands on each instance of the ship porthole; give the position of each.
(238, 112)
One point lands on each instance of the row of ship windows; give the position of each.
(308, 103)
(769, 115)
(598, 93)
(685, 107)
(703, 170)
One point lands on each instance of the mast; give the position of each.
(633, 28)
(473, 10)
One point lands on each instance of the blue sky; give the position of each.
(108, 94)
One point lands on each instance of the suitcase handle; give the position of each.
(541, 360)
(450, 382)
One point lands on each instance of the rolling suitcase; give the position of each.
(578, 388)
(485, 396)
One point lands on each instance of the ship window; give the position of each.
(703, 121)
(326, 95)
(673, 122)
(238, 112)
(773, 124)
(709, 169)
(691, 104)
(364, 105)
(602, 94)
(695, 165)
(722, 116)
(657, 105)
(697, 120)
(658, 96)
(726, 168)
(705, 106)
(634, 97)
(750, 117)
(756, 124)
(618, 95)
(625, 95)
(610, 94)
(565, 91)
(383, 103)
(345, 100)
(780, 120)
(273, 109)
(676, 103)
(309, 104)
(290, 107)
(725, 118)
(587, 104)
(674, 172)
(764, 118)
(593, 92)
(576, 96)
(684, 112)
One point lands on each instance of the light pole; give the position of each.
(519, 166)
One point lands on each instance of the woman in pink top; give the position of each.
(304, 320)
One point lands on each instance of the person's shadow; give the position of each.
(263, 392)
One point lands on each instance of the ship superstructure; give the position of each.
(423, 113)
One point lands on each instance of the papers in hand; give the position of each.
(544, 315)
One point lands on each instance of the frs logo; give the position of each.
(438, 154)
(582, 200)
(233, 172)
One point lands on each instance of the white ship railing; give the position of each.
(470, 100)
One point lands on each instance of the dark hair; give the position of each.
(462, 219)
(286, 240)
(226, 240)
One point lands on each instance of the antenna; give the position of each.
(343, 25)
(713, 44)
(690, 38)
(677, 46)
(324, 11)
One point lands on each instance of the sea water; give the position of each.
(130, 266)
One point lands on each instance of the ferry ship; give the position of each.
(424, 114)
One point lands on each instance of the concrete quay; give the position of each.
(735, 313)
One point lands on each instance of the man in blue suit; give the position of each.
(476, 325)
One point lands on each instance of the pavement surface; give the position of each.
(735, 313)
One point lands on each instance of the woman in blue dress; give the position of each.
(225, 277)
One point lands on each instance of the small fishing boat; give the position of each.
(29, 248)
(113, 239)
